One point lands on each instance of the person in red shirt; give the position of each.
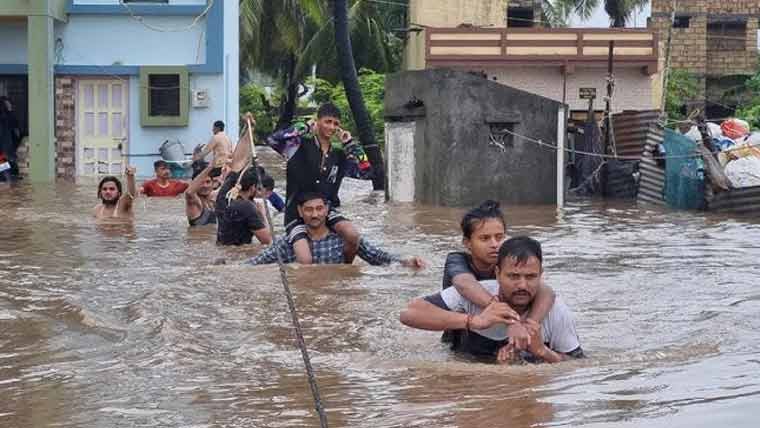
(162, 185)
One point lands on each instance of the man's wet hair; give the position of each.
(310, 196)
(160, 163)
(106, 179)
(328, 110)
(198, 167)
(476, 216)
(249, 179)
(218, 125)
(521, 248)
(267, 182)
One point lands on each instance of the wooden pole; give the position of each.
(561, 134)
(608, 104)
(666, 72)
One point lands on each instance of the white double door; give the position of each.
(102, 125)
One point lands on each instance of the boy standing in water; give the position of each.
(113, 203)
(319, 155)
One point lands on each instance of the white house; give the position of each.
(102, 83)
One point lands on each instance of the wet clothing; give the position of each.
(558, 328)
(276, 201)
(309, 170)
(174, 188)
(236, 220)
(207, 217)
(457, 263)
(328, 250)
(461, 262)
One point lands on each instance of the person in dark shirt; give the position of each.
(483, 231)
(267, 190)
(519, 268)
(238, 216)
(319, 156)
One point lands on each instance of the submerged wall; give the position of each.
(449, 142)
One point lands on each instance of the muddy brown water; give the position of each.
(114, 326)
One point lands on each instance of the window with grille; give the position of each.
(164, 99)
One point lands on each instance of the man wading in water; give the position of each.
(199, 198)
(519, 269)
(317, 162)
(239, 218)
(326, 246)
(113, 204)
(483, 232)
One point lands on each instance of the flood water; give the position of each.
(112, 326)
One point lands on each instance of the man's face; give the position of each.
(109, 193)
(485, 241)
(327, 125)
(519, 282)
(163, 171)
(207, 186)
(313, 213)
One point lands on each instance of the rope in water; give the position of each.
(289, 296)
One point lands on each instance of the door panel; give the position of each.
(102, 127)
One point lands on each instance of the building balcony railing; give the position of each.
(569, 47)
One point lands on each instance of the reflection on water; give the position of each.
(132, 325)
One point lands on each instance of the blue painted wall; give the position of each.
(124, 40)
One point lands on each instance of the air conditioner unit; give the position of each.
(200, 98)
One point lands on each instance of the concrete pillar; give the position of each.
(40, 46)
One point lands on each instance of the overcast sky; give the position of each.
(600, 18)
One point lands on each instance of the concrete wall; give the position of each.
(13, 36)
(448, 13)
(455, 163)
(633, 89)
(146, 140)
(123, 40)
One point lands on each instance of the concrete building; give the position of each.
(450, 140)
(714, 40)
(103, 83)
(477, 35)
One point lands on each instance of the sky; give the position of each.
(600, 19)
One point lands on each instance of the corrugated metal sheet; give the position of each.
(738, 201)
(638, 134)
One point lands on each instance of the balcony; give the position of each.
(470, 47)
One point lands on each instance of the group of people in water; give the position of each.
(493, 302)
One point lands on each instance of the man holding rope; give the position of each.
(239, 218)
(319, 156)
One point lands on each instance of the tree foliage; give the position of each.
(682, 86)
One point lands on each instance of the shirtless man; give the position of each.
(200, 198)
(220, 145)
(113, 203)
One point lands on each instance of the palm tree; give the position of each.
(619, 11)
(354, 93)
